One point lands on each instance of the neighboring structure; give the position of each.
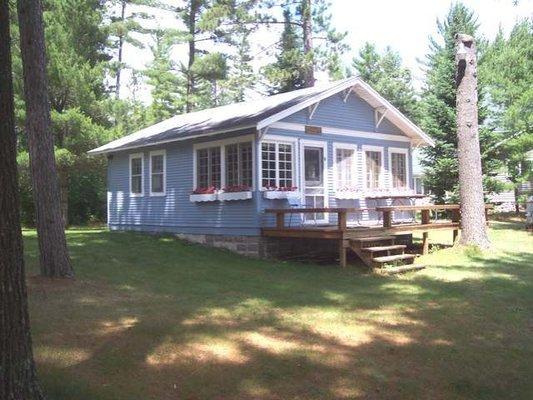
(208, 175)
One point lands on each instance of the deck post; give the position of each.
(342, 254)
(456, 217)
(387, 219)
(425, 235)
(342, 220)
(280, 220)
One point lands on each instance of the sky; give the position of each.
(405, 25)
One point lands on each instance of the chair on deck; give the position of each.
(294, 202)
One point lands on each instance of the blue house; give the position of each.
(208, 176)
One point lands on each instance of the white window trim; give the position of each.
(222, 144)
(344, 146)
(164, 154)
(277, 140)
(399, 150)
(382, 170)
(133, 156)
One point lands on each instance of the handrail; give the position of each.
(425, 207)
(387, 211)
(315, 210)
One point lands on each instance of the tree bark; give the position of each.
(18, 378)
(120, 47)
(54, 258)
(307, 27)
(473, 223)
(63, 188)
(192, 53)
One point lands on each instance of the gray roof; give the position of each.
(233, 117)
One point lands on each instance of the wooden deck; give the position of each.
(352, 237)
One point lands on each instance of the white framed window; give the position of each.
(345, 165)
(239, 164)
(399, 168)
(277, 164)
(209, 167)
(373, 167)
(158, 172)
(136, 174)
(224, 163)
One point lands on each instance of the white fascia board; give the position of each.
(300, 106)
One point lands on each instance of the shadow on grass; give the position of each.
(157, 318)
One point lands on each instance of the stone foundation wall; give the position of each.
(266, 247)
(245, 245)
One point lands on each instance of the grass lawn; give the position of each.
(156, 318)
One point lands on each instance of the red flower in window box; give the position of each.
(237, 188)
(206, 190)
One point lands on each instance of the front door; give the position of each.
(314, 182)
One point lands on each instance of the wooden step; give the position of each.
(401, 269)
(373, 239)
(397, 257)
(376, 249)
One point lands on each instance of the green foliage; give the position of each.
(287, 72)
(76, 40)
(438, 108)
(509, 75)
(27, 211)
(126, 26)
(385, 73)
(161, 74)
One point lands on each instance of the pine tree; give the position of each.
(162, 77)
(127, 23)
(309, 43)
(54, 258)
(438, 108)
(241, 77)
(385, 73)
(18, 376)
(286, 73)
(509, 76)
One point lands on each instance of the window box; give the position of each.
(280, 194)
(347, 194)
(231, 196)
(196, 198)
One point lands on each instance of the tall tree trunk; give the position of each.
(63, 195)
(18, 378)
(307, 27)
(192, 53)
(120, 47)
(54, 258)
(473, 223)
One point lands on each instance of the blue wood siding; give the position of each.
(355, 114)
(174, 212)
